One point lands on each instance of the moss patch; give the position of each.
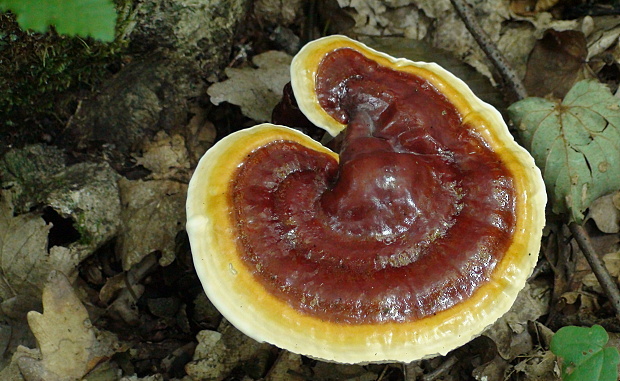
(42, 77)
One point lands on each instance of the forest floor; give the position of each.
(98, 143)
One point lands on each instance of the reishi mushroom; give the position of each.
(412, 240)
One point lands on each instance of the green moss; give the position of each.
(85, 232)
(41, 76)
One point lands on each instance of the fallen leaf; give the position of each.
(278, 11)
(199, 134)
(578, 302)
(540, 366)
(287, 367)
(66, 339)
(165, 156)
(24, 260)
(576, 144)
(126, 279)
(612, 263)
(605, 213)
(218, 353)
(492, 370)
(510, 332)
(153, 213)
(523, 7)
(257, 91)
(556, 63)
(602, 34)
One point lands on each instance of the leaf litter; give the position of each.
(134, 277)
(68, 344)
(576, 143)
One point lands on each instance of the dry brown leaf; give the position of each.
(165, 156)
(556, 63)
(199, 134)
(127, 279)
(605, 213)
(541, 366)
(153, 213)
(218, 353)
(510, 332)
(612, 263)
(578, 302)
(601, 32)
(282, 12)
(24, 260)
(492, 370)
(68, 344)
(523, 7)
(257, 91)
(287, 367)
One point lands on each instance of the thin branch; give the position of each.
(509, 75)
(600, 271)
(443, 368)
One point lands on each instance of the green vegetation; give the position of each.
(584, 354)
(38, 71)
(576, 144)
(95, 18)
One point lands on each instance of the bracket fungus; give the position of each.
(412, 240)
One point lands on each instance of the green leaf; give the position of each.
(576, 144)
(96, 18)
(584, 354)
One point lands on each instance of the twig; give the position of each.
(509, 75)
(383, 372)
(600, 271)
(441, 369)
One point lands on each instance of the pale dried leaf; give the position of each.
(153, 213)
(165, 155)
(11, 371)
(612, 263)
(24, 260)
(257, 91)
(545, 5)
(199, 135)
(516, 43)
(603, 32)
(218, 353)
(66, 340)
(605, 213)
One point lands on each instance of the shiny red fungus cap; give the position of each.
(408, 243)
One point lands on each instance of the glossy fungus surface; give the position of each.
(407, 243)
